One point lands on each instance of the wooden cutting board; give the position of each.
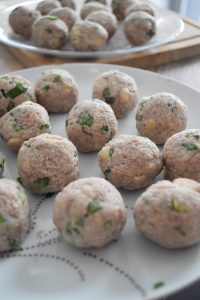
(184, 46)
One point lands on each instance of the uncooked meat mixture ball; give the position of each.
(68, 3)
(14, 215)
(119, 7)
(105, 2)
(117, 89)
(21, 20)
(2, 164)
(66, 14)
(88, 36)
(23, 122)
(130, 162)
(14, 89)
(90, 125)
(105, 19)
(89, 212)
(56, 90)
(46, 163)
(91, 7)
(182, 155)
(168, 214)
(145, 7)
(160, 116)
(50, 32)
(139, 27)
(46, 6)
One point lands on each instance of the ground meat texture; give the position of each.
(50, 32)
(105, 19)
(46, 6)
(168, 215)
(88, 36)
(46, 163)
(182, 155)
(118, 90)
(21, 20)
(89, 212)
(130, 162)
(23, 122)
(160, 116)
(14, 90)
(66, 14)
(68, 3)
(119, 7)
(2, 163)
(189, 183)
(56, 90)
(91, 7)
(14, 215)
(139, 27)
(90, 125)
(145, 7)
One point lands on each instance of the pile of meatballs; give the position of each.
(90, 212)
(55, 24)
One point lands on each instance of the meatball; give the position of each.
(23, 122)
(91, 7)
(14, 215)
(139, 27)
(2, 163)
(90, 125)
(105, 19)
(68, 3)
(117, 89)
(130, 162)
(168, 214)
(89, 212)
(50, 32)
(46, 163)
(21, 20)
(145, 7)
(56, 90)
(160, 116)
(14, 90)
(88, 36)
(66, 14)
(182, 155)
(46, 6)
(119, 7)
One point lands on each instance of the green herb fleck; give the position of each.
(80, 222)
(10, 106)
(46, 87)
(180, 230)
(57, 78)
(138, 117)
(44, 126)
(19, 179)
(13, 245)
(107, 172)
(17, 90)
(93, 207)
(108, 224)
(158, 285)
(110, 152)
(42, 182)
(177, 207)
(86, 119)
(107, 96)
(53, 18)
(190, 147)
(17, 127)
(2, 219)
(105, 129)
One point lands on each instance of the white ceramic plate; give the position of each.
(127, 269)
(169, 26)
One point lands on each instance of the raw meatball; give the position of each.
(68, 3)
(145, 7)
(23, 122)
(56, 90)
(105, 2)
(2, 163)
(91, 7)
(117, 89)
(139, 27)
(130, 162)
(182, 155)
(88, 36)
(90, 125)
(105, 19)
(168, 215)
(119, 7)
(46, 163)
(21, 20)
(14, 90)
(160, 116)
(50, 32)
(14, 215)
(46, 6)
(66, 14)
(89, 212)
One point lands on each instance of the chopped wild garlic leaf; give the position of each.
(93, 207)
(42, 182)
(107, 96)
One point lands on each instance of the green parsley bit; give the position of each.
(178, 207)
(17, 90)
(110, 152)
(86, 119)
(107, 96)
(158, 285)
(17, 127)
(2, 219)
(19, 179)
(80, 222)
(190, 147)
(107, 172)
(46, 87)
(53, 18)
(138, 117)
(42, 182)
(44, 126)
(180, 231)
(93, 207)
(104, 129)
(10, 106)
(13, 245)
(108, 224)
(57, 78)
(22, 197)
